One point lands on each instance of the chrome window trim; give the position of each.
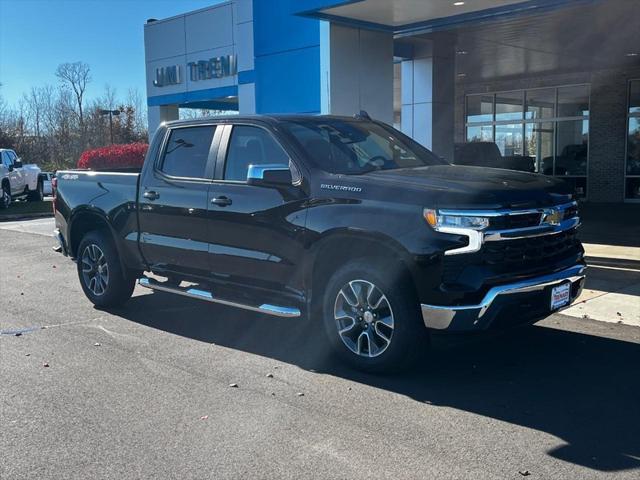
(159, 161)
(292, 163)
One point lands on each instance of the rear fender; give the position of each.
(86, 219)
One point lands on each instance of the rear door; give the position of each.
(256, 232)
(173, 201)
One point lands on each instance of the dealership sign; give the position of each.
(215, 67)
(168, 76)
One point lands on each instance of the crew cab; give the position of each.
(344, 221)
(18, 180)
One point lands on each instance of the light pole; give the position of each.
(111, 113)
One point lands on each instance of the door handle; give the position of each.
(151, 195)
(221, 201)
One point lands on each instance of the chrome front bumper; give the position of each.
(481, 316)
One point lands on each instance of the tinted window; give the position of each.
(541, 103)
(251, 146)
(354, 147)
(509, 106)
(634, 97)
(479, 108)
(573, 101)
(187, 151)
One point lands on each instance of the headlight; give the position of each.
(441, 222)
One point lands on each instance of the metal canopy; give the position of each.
(581, 38)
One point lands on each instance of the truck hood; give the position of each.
(457, 186)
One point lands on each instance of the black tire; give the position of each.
(408, 338)
(38, 194)
(5, 198)
(119, 285)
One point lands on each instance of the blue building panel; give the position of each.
(246, 76)
(277, 28)
(182, 98)
(287, 58)
(288, 82)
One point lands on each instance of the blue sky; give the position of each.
(37, 35)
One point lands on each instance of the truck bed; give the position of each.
(108, 194)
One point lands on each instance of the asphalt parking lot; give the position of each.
(144, 392)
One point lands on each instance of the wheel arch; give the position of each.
(85, 221)
(341, 245)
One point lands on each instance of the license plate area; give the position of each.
(560, 295)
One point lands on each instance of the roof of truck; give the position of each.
(276, 118)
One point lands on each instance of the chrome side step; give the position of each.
(198, 293)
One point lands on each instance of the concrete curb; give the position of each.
(24, 216)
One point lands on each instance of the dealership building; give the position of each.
(550, 84)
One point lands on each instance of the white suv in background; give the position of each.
(18, 180)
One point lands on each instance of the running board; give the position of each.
(198, 293)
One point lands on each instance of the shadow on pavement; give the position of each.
(583, 389)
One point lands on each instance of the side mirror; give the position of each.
(275, 174)
(17, 164)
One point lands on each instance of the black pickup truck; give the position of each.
(344, 221)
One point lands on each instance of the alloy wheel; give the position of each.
(364, 318)
(95, 270)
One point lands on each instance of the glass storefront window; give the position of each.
(541, 103)
(509, 106)
(538, 144)
(634, 97)
(546, 128)
(632, 170)
(633, 147)
(633, 188)
(479, 108)
(573, 101)
(482, 133)
(572, 148)
(509, 139)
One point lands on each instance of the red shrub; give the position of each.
(114, 156)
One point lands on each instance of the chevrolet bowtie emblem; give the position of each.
(552, 216)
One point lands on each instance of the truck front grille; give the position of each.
(529, 250)
(507, 222)
(514, 257)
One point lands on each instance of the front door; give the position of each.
(255, 232)
(173, 199)
(16, 176)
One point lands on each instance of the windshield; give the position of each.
(354, 147)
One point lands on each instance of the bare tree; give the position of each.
(76, 76)
(37, 102)
(134, 99)
(109, 98)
